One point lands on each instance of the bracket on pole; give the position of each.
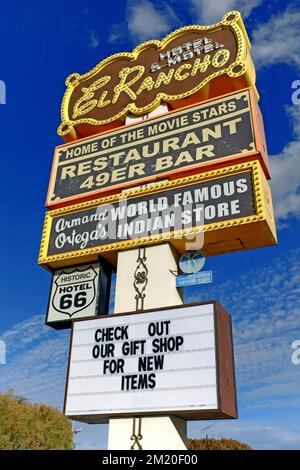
(137, 437)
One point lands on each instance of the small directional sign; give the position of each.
(203, 277)
(78, 292)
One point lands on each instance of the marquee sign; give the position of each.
(178, 67)
(206, 135)
(176, 361)
(78, 292)
(232, 205)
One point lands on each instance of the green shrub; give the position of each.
(26, 426)
(216, 444)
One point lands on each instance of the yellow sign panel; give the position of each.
(232, 206)
(180, 66)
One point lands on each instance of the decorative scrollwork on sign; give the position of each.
(140, 279)
(137, 437)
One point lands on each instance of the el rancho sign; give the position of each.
(180, 66)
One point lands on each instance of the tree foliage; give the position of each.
(26, 426)
(216, 444)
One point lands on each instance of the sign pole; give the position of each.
(140, 275)
(163, 433)
(144, 281)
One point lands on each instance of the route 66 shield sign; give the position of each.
(75, 290)
(75, 293)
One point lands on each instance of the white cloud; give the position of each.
(36, 361)
(145, 20)
(285, 171)
(93, 40)
(148, 21)
(212, 11)
(91, 436)
(276, 41)
(117, 33)
(25, 333)
(262, 435)
(265, 313)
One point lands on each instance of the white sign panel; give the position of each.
(145, 363)
(74, 293)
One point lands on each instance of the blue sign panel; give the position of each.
(203, 277)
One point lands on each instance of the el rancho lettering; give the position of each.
(176, 68)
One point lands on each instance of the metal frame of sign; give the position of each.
(225, 370)
(103, 292)
(236, 234)
(259, 151)
(241, 72)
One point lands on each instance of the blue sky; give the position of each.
(40, 46)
